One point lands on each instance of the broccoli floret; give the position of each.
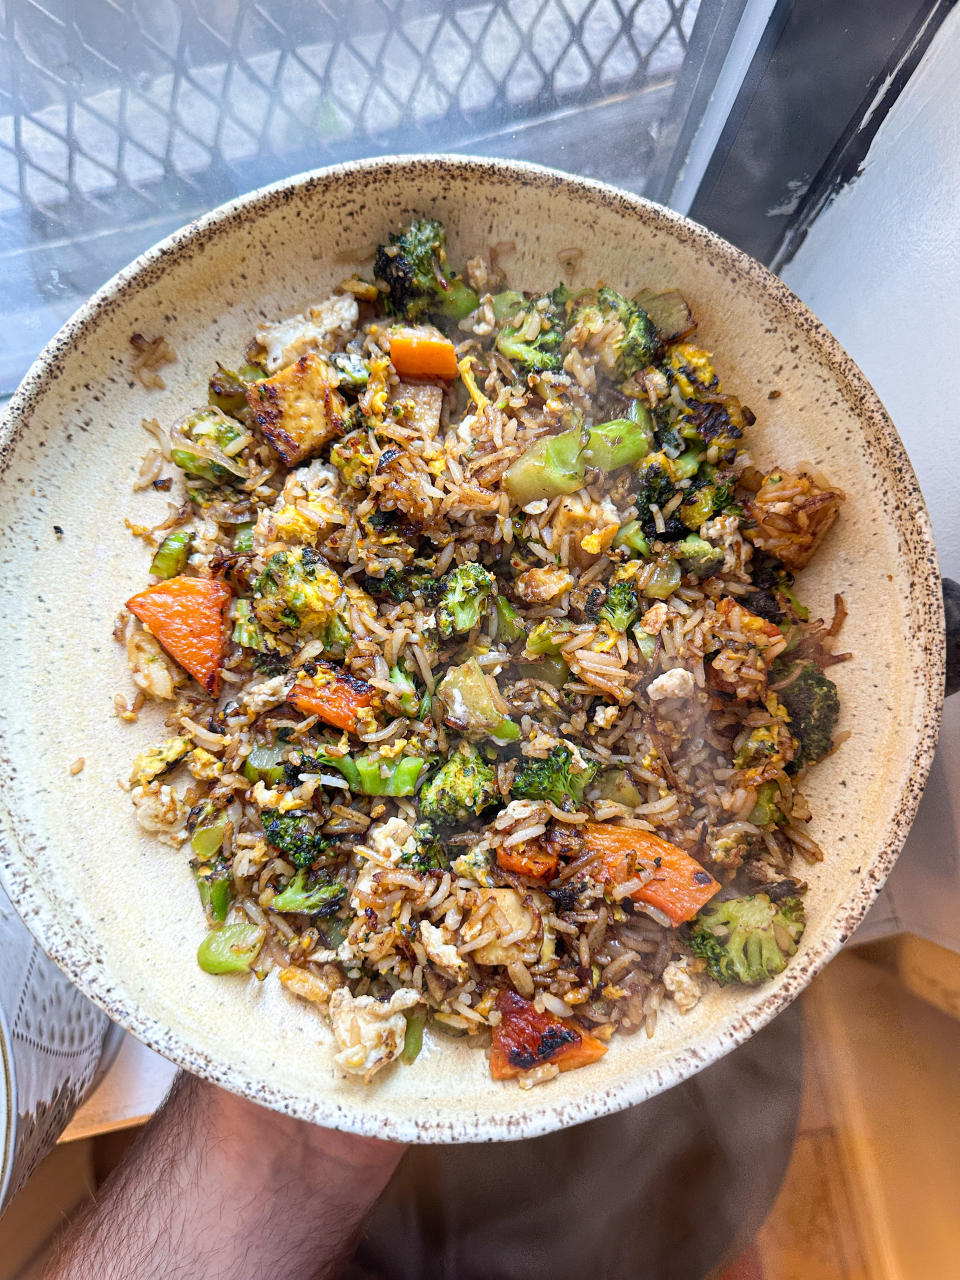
(460, 789)
(653, 488)
(532, 337)
(295, 835)
(747, 939)
(560, 778)
(297, 588)
(405, 584)
(414, 268)
(633, 342)
(319, 897)
(618, 605)
(465, 592)
(424, 851)
(813, 707)
(699, 557)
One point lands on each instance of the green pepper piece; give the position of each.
(509, 625)
(208, 835)
(246, 629)
(265, 763)
(645, 642)
(766, 811)
(243, 538)
(506, 304)
(216, 891)
(413, 1037)
(548, 636)
(551, 668)
(619, 443)
(230, 949)
(172, 554)
(551, 466)
(632, 537)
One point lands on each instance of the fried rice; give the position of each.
(475, 627)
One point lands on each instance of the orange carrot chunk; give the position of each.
(422, 355)
(337, 700)
(528, 860)
(679, 886)
(187, 616)
(524, 1039)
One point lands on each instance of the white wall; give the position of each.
(881, 268)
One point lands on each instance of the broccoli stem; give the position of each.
(619, 443)
(509, 626)
(632, 537)
(409, 701)
(298, 896)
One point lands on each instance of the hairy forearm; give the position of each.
(219, 1187)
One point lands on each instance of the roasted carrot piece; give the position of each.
(336, 698)
(187, 616)
(524, 1039)
(422, 355)
(529, 860)
(680, 885)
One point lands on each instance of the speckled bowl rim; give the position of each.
(926, 599)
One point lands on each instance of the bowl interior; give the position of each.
(120, 912)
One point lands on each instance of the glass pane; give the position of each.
(121, 119)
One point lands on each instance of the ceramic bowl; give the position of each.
(119, 912)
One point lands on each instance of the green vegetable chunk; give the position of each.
(419, 282)
(631, 341)
(561, 778)
(620, 606)
(382, 777)
(548, 636)
(265, 763)
(243, 537)
(409, 699)
(813, 706)
(552, 465)
(413, 1037)
(510, 627)
(246, 629)
(215, 885)
(472, 707)
(172, 554)
(618, 786)
(461, 789)
(311, 899)
(620, 443)
(207, 826)
(228, 387)
(425, 851)
(632, 537)
(699, 557)
(550, 668)
(766, 810)
(464, 599)
(532, 336)
(747, 939)
(212, 429)
(231, 948)
(295, 834)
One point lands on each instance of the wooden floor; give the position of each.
(873, 1188)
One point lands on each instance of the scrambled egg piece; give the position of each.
(151, 763)
(149, 667)
(309, 520)
(204, 764)
(678, 682)
(442, 953)
(264, 695)
(299, 409)
(474, 865)
(306, 985)
(369, 1032)
(539, 586)
(685, 359)
(592, 526)
(320, 328)
(682, 984)
(511, 905)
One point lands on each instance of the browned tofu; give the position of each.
(299, 409)
(421, 403)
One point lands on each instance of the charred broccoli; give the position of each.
(618, 605)
(297, 588)
(813, 707)
(747, 939)
(318, 897)
(653, 488)
(405, 584)
(461, 789)
(465, 592)
(532, 336)
(561, 778)
(414, 268)
(632, 341)
(424, 850)
(295, 835)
